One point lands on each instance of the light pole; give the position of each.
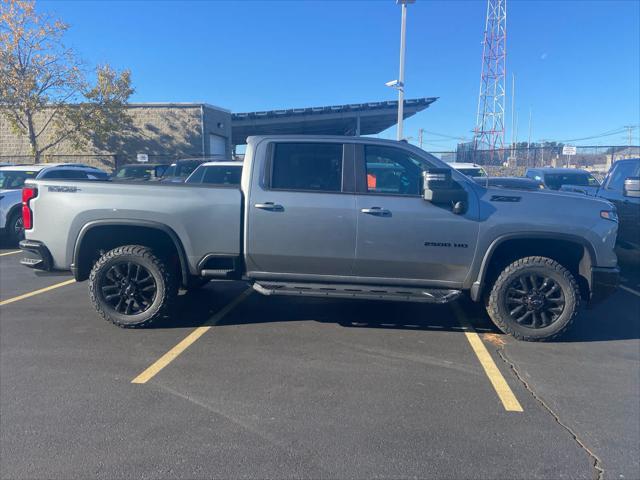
(399, 84)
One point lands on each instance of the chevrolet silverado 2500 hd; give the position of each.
(330, 217)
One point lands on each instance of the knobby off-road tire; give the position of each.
(131, 287)
(534, 299)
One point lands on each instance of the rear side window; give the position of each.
(196, 176)
(307, 166)
(66, 174)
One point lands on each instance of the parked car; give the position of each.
(12, 179)
(516, 183)
(305, 222)
(621, 187)
(469, 169)
(567, 179)
(179, 170)
(140, 172)
(217, 173)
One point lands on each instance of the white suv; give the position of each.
(12, 179)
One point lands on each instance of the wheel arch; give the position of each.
(14, 210)
(83, 254)
(537, 242)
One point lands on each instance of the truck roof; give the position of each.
(222, 164)
(464, 165)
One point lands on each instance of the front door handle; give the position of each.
(378, 211)
(272, 207)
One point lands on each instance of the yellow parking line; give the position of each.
(172, 354)
(36, 292)
(500, 385)
(13, 252)
(630, 290)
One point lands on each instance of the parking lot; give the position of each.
(241, 385)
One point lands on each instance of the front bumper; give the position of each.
(36, 255)
(604, 281)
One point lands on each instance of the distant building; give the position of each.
(167, 131)
(163, 131)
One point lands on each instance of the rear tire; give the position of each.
(131, 287)
(534, 299)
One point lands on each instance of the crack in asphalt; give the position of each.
(595, 460)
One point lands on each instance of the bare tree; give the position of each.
(44, 91)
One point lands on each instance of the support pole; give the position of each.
(403, 29)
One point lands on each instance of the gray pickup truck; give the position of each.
(346, 217)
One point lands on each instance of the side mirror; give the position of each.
(631, 187)
(440, 189)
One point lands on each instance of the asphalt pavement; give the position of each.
(237, 385)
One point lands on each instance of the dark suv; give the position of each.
(621, 187)
(567, 179)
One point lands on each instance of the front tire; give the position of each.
(131, 287)
(15, 228)
(534, 299)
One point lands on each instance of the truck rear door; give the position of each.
(301, 216)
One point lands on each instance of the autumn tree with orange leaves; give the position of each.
(44, 91)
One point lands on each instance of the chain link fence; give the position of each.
(514, 160)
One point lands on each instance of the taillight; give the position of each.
(27, 215)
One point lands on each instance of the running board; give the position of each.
(367, 292)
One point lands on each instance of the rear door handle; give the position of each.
(378, 211)
(273, 207)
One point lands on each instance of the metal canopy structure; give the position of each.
(353, 119)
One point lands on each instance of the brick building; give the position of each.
(163, 131)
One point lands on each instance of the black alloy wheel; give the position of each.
(129, 288)
(535, 300)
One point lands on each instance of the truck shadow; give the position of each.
(196, 307)
(618, 318)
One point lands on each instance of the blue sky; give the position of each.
(577, 64)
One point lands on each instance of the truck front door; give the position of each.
(301, 212)
(402, 237)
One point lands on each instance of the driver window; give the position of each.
(392, 171)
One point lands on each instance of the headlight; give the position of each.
(609, 215)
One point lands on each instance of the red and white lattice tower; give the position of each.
(489, 130)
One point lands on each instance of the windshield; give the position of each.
(223, 175)
(14, 179)
(473, 172)
(582, 179)
(136, 171)
(185, 169)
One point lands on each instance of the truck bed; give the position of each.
(206, 219)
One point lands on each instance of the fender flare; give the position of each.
(184, 265)
(478, 285)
